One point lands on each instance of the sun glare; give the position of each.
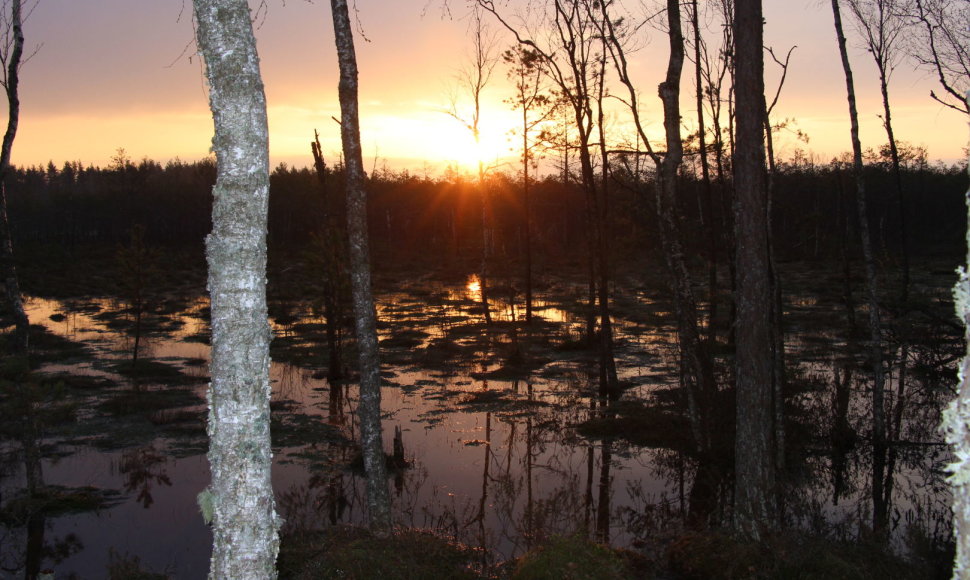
(455, 144)
(441, 139)
(474, 287)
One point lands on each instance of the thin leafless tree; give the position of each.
(375, 463)
(473, 80)
(875, 322)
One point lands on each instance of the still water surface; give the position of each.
(492, 458)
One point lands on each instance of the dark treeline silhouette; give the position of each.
(413, 217)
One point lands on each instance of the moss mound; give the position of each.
(718, 556)
(572, 558)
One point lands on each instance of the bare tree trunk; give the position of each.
(475, 80)
(701, 386)
(875, 325)
(706, 182)
(754, 484)
(875, 330)
(378, 499)
(526, 215)
(609, 385)
(483, 276)
(333, 253)
(898, 189)
(13, 54)
(240, 498)
(777, 310)
(527, 71)
(881, 25)
(11, 84)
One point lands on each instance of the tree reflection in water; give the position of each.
(494, 454)
(143, 468)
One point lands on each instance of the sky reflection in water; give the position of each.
(494, 461)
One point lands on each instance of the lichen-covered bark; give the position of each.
(956, 424)
(754, 458)
(240, 498)
(378, 500)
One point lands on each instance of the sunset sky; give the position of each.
(124, 74)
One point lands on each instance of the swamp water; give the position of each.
(497, 455)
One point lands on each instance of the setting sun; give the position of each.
(448, 140)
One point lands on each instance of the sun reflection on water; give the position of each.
(473, 287)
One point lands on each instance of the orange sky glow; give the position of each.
(124, 74)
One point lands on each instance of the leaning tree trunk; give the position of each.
(754, 483)
(956, 424)
(378, 500)
(875, 332)
(239, 500)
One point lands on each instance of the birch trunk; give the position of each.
(701, 385)
(378, 500)
(956, 424)
(11, 83)
(240, 498)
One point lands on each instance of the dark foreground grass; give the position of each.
(791, 556)
(354, 553)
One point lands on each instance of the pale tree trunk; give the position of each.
(754, 483)
(882, 27)
(701, 385)
(956, 424)
(240, 498)
(12, 55)
(378, 500)
(875, 324)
